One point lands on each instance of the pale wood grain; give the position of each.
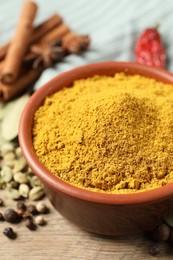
(61, 240)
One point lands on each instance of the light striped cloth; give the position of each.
(113, 25)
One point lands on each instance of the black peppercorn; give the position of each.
(21, 205)
(1, 217)
(32, 209)
(27, 215)
(20, 212)
(1, 203)
(161, 233)
(8, 232)
(11, 216)
(30, 224)
(154, 250)
(171, 236)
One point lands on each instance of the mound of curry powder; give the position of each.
(108, 134)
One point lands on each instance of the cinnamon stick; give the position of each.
(8, 92)
(3, 50)
(75, 43)
(56, 47)
(38, 32)
(20, 43)
(1, 66)
(42, 29)
(54, 35)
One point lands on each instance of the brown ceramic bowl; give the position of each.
(117, 214)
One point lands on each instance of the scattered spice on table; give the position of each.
(29, 223)
(8, 232)
(39, 220)
(41, 207)
(11, 216)
(1, 217)
(24, 216)
(1, 203)
(154, 250)
(161, 233)
(108, 134)
(15, 175)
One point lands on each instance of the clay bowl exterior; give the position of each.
(117, 214)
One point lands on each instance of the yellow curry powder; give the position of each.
(108, 134)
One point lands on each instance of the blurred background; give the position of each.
(113, 26)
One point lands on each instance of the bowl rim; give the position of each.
(25, 137)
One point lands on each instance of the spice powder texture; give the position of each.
(108, 134)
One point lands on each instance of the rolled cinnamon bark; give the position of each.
(1, 66)
(75, 43)
(42, 29)
(8, 92)
(20, 43)
(38, 32)
(54, 35)
(3, 50)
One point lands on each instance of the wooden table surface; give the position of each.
(61, 240)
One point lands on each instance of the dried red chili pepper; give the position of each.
(149, 49)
